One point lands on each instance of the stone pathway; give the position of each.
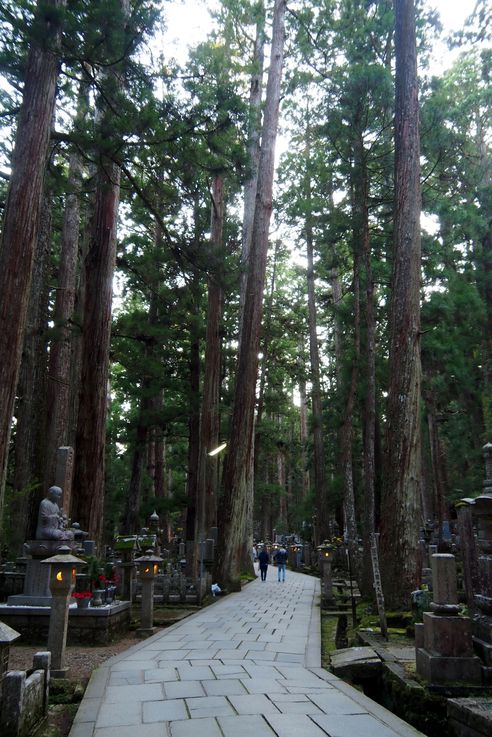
(247, 666)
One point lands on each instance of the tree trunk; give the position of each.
(361, 191)
(260, 406)
(281, 480)
(233, 538)
(303, 432)
(320, 482)
(89, 467)
(21, 216)
(254, 128)
(250, 192)
(88, 483)
(59, 369)
(210, 418)
(399, 538)
(28, 488)
(194, 415)
(438, 465)
(132, 522)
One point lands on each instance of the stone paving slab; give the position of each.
(247, 666)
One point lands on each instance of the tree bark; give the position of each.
(303, 437)
(58, 396)
(281, 480)
(233, 534)
(368, 362)
(88, 483)
(21, 216)
(194, 415)
(210, 417)
(254, 129)
(89, 467)
(28, 450)
(320, 482)
(132, 522)
(400, 521)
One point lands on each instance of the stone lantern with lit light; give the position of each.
(148, 568)
(63, 573)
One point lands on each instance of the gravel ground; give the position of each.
(81, 660)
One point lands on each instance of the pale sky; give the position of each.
(188, 23)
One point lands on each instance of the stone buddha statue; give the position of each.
(52, 524)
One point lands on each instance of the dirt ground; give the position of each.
(81, 660)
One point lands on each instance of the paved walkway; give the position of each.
(247, 666)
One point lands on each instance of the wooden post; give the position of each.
(377, 585)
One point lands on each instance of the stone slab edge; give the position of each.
(372, 707)
(312, 653)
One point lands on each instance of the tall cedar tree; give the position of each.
(210, 419)
(58, 394)
(400, 521)
(88, 483)
(238, 463)
(22, 209)
(320, 481)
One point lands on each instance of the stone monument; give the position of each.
(444, 653)
(51, 534)
(482, 620)
(52, 522)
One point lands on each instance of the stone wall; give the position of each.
(24, 702)
(93, 626)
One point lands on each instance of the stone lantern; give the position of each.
(325, 556)
(154, 521)
(62, 582)
(148, 567)
(125, 546)
(154, 529)
(295, 555)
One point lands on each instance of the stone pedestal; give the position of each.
(37, 579)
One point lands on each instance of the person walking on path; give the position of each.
(264, 560)
(281, 561)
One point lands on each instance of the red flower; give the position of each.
(82, 594)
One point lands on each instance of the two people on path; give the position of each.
(280, 558)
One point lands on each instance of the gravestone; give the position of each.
(482, 620)
(446, 654)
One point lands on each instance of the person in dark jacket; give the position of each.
(281, 561)
(264, 560)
